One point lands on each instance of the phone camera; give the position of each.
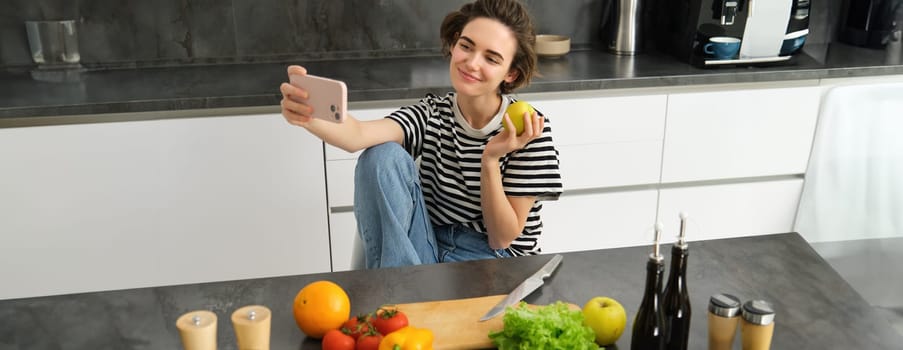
(338, 117)
(332, 108)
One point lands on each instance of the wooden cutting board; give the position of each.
(456, 323)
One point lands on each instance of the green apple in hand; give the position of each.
(516, 112)
(606, 317)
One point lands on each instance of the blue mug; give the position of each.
(792, 45)
(722, 47)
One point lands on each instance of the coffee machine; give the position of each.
(714, 33)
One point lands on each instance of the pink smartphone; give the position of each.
(328, 97)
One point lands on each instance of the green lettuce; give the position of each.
(550, 327)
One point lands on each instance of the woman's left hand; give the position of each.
(507, 141)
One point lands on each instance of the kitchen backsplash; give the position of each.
(117, 33)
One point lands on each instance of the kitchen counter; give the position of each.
(26, 102)
(816, 308)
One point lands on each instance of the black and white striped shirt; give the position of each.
(450, 151)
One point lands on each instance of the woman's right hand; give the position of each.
(295, 111)
(350, 135)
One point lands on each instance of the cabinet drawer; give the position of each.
(731, 210)
(606, 119)
(597, 221)
(335, 153)
(608, 141)
(340, 182)
(342, 228)
(735, 134)
(610, 164)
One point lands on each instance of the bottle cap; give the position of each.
(724, 305)
(656, 254)
(758, 312)
(682, 237)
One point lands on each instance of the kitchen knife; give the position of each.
(525, 288)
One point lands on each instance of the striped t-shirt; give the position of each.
(450, 150)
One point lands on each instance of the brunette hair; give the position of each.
(512, 14)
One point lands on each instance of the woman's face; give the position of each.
(481, 58)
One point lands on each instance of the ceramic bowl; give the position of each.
(548, 45)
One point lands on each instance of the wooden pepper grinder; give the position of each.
(252, 327)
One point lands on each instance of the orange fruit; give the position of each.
(321, 306)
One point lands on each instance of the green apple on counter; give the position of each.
(516, 112)
(606, 317)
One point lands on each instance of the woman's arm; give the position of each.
(351, 135)
(505, 216)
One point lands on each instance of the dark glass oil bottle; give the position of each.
(648, 326)
(676, 300)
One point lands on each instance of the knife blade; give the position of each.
(524, 288)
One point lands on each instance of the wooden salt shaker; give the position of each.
(198, 330)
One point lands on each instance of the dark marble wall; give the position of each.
(144, 32)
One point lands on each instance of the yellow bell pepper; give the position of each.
(408, 338)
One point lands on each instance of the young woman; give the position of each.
(477, 190)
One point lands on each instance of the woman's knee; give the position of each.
(389, 155)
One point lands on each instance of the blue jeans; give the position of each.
(392, 218)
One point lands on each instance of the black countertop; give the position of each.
(23, 100)
(815, 307)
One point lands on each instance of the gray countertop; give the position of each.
(815, 307)
(24, 101)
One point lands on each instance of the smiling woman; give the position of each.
(479, 63)
(518, 24)
(476, 192)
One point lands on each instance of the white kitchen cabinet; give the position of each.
(598, 220)
(739, 133)
(107, 206)
(603, 142)
(731, 210)
(607, 141)
(342, 229)
(340, 182)
(730, 156)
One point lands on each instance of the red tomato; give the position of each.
(389, 320)
(336, 340)
(369, 341)
(357, 325)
